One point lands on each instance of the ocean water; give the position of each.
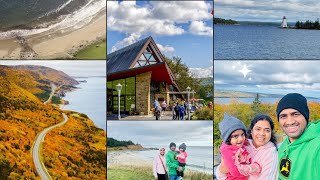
(250, 100)
(200, 158)
(90, 99)
(28, 17)
(265, 42)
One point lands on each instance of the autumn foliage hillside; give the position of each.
(76, 150)
(23, 116)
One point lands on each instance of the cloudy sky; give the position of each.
(180, 28)
(161, 133)
(274, 77)
(72, 68)
(267, 10)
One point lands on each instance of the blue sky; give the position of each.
(180, 28)
(270, 77)
(267, 10)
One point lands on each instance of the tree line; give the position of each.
(308, 24)
(224, 21)
(111, 142)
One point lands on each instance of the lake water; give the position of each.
(250, 100)
(200, 158)
(90, 99)
(265, 42)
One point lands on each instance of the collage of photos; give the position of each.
(160, 90)
(96, 89)
(266, 90)
(53, 89)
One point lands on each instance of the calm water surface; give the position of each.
(265, 42)
(90, 99)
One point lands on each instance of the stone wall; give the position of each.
(143, 93)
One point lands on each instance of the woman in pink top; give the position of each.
(262, 148)
(159, 165)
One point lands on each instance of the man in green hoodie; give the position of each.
(299, 154)
(172, 163)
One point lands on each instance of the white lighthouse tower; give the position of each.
(284, 22)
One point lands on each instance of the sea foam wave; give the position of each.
(74, 20)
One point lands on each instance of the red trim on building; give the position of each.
(159, 73)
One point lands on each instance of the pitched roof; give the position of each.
(123, 58)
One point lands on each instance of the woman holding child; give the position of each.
(253, 158)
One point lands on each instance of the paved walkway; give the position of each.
(166, 116)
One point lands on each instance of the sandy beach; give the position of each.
(53, 44)
(127, 158)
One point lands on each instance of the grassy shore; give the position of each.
(94, 51)
(145, 173)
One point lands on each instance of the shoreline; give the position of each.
(57, 44)
(130, 158)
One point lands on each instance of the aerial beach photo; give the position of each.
(64, 29)
(53, 119)
(245, 89)
(133, 157)
(155, 58)
(263, 30)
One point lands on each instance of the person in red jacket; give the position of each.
(234, 154)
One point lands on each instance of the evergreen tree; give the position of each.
(256, 105)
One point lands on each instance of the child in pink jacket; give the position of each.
(182, 159)
(235, 156)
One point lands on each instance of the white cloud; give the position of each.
(165, 49)
(202, 72)
(271, 74)
(157, 18)
(200, 28)
(265, 10)
(184, 11)
(126, 41)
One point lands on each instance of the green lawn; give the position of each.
(94, 51)
(145, 173)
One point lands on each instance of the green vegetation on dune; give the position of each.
(133, 173)
(115, 143)
(93, 51)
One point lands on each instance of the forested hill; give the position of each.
(23, 115)
(115, 143)
(53, 75)
(224, 21)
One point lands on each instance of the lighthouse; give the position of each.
(284, 22)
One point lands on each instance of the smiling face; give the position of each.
(162, 151)
(173, 148)
(237, 138)
(293, 123)
(261, 133)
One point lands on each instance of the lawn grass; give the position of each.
(93, 51)
(145, 173)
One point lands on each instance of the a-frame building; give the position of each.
(142, 71)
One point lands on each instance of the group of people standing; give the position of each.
(171, 165)
(178, 110)
(258, 156)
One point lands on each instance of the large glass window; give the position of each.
(146, 58)
(128, 95)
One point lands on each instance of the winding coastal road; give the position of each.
(53, 89)
(41, 170)
(36, 149)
